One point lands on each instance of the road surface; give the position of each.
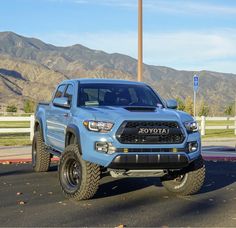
(35, 199)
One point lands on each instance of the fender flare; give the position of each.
(72, 128)
(38, 121)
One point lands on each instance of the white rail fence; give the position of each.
(18, 130)
(15, 114)
(203, 127)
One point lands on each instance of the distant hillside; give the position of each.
(30, 68)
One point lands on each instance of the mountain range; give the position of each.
(30, 69)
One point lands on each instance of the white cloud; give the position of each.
(192, 45)
(196, 50)
(190, 7)
(174, 6)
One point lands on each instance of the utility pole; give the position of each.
(140, 40)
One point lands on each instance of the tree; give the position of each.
(203, 109)
(11, 108)
(229, 110)
(29, 106)
(189, 105)
(181, 105)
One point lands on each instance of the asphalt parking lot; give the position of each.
(35, 199)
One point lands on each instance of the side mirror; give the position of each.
(62, 102)
(172, 104)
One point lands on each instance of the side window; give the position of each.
(69, 93)
(60, 91)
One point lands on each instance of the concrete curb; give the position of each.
(219, 158)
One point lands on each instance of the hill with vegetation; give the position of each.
(30, 69)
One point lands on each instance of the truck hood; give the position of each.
(114, 114)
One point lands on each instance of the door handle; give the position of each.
(66, 114)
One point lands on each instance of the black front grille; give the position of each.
(156, 132)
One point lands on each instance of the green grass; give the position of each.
(219, 134)
(10, 124)
(218, 123)
(15, 139)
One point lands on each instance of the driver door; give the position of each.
(58, 119)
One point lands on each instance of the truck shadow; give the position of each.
(120, 186)
(218, 175)
(22, 169)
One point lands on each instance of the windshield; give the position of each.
(117, 95)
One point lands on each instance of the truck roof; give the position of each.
(101, 80)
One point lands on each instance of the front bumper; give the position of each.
(171, 155)
(150, 161)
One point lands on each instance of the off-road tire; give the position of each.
(190, 183)
(79, 179)
(40, 157)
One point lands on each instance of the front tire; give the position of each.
(188, 183)
(40, 157)
(79, 179)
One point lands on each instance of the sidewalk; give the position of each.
(17, 154)
(216, 139)
(214, 149)
(228, 142)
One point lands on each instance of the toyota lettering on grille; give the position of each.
(154, 131)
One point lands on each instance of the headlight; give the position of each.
(98, 126)
(191, 126)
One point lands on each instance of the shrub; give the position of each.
(11, 108)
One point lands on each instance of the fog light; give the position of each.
(105, 147)
(192, 146)
(101, 146)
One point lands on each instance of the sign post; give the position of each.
(195, 89)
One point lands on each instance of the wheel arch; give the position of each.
(72, 131)
(38, 126)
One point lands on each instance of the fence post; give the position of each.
(31, 127)
(203, 125)
(235, 125)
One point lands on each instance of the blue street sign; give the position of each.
(195, 82)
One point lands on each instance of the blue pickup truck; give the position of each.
(116, 127)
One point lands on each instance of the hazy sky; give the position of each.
(183, 34)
